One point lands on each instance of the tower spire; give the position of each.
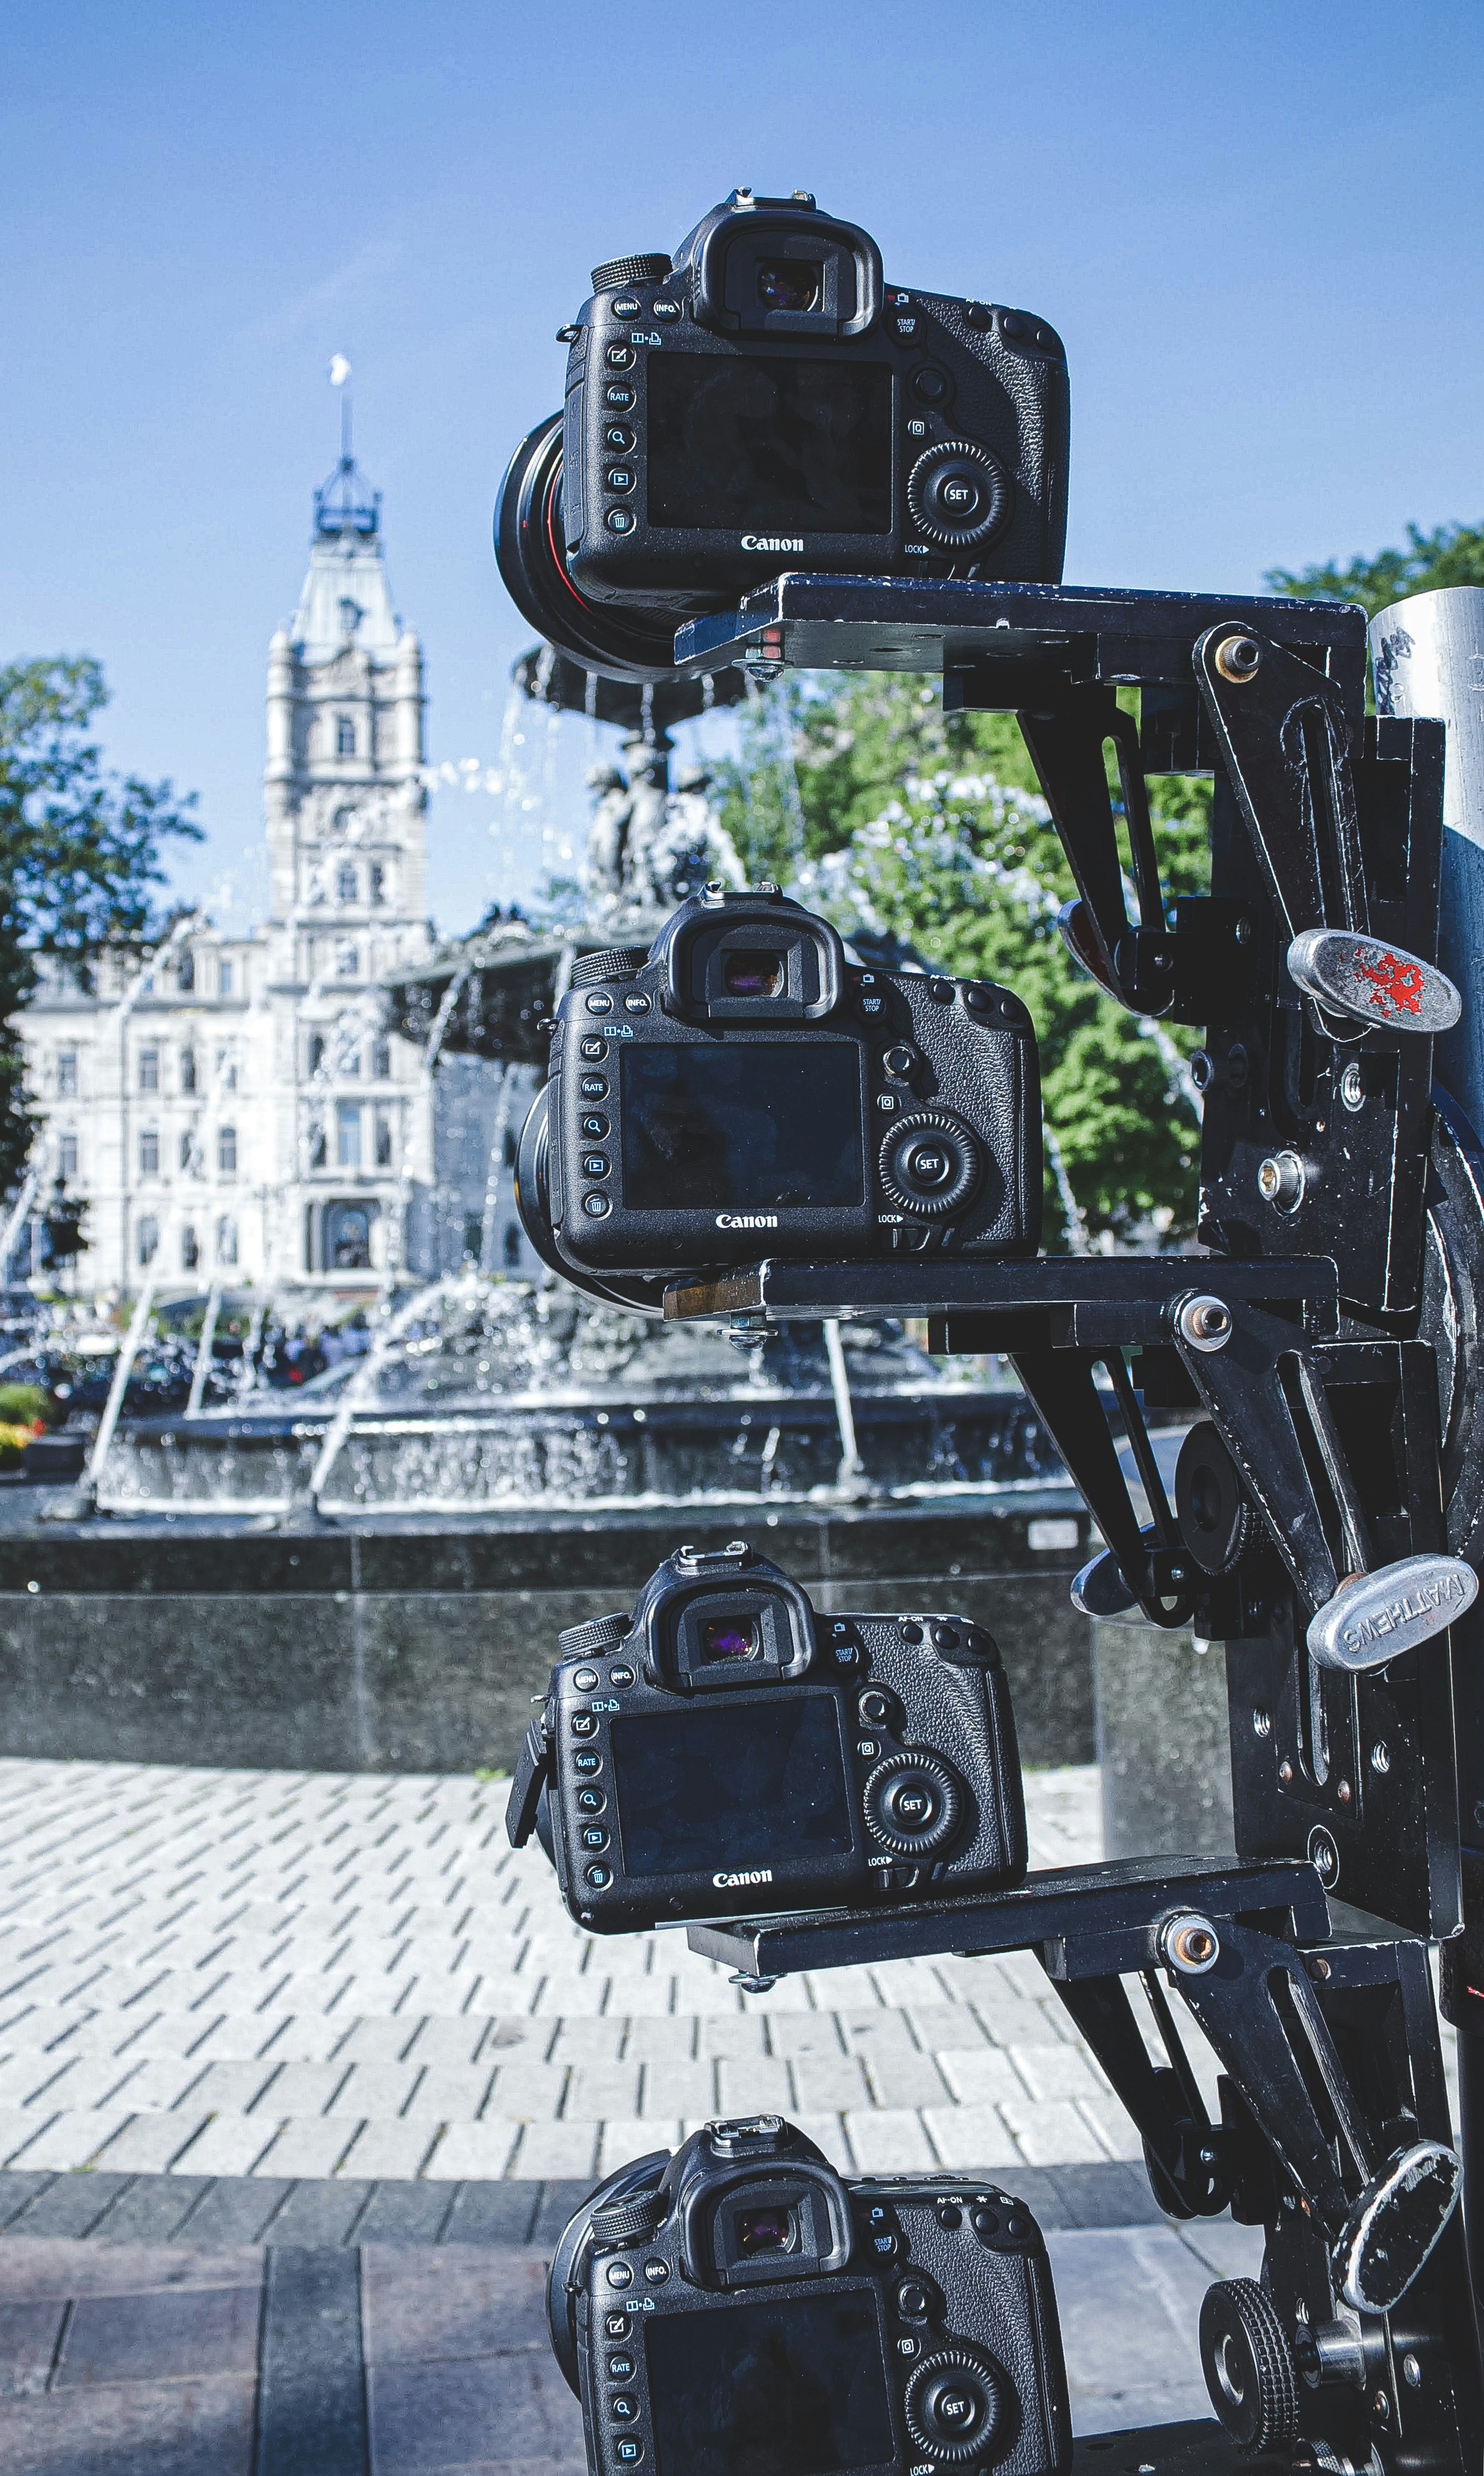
(343, 506)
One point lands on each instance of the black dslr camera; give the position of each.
(741, 2306)
(723, 1751)
(767, 401)
(741, 1091)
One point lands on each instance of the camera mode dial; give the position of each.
(627, 2221)
(597, 1634)
(959, 493)
(651, 266)
(928, 1164)
(912, 1804)
(955, 2405)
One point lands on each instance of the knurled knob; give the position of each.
(598, 1635)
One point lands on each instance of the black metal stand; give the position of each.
(1328, 1338)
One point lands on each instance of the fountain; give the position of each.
(510, 1455)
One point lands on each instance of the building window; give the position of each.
(227, 1150)
(190, 1250)
(149, 1152)
(316, 1145)
(347, 1240)
(149, 1070)
(381, 1060)
(66, 1155)
(186, 974)
(344, 735)
(190, 1160)
(378, 882)
(188, 1070)
(316, 1051)
(382, 1140)
(347, 1121)
(226, 1240)
(345, 881)
(66, 1074)
(227, 1070)
(224, 976)
(347, 959)
(149, 1238)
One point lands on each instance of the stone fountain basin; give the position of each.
(563, 1448)
(381, 1644)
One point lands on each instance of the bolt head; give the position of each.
(1238, 658)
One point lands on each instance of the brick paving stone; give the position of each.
(977, 2075)
(381, 2041)
(528, 2088)
(303, 2088)
(72, 2138)
(625, 2139)
(597, 2091)
(804, 2033)
(1114, 2126)
(1058, 2072)
(737, 2036)
(678, 2088)
(967, 2138)
(19, 2127)
(753, 2084)
(149, 2145)
(888, 2141)
(231, 2088)
(545, 2148)
(388, 2149)
(159, 2336)
(647, 2039)
(374, 2089)
(900, 2078)
(829, 2083)
(230, 2144)
(28, 2342)
(1052, 2132)
(307, 2144)
(591, 2041)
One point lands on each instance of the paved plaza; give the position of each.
(291, 1976)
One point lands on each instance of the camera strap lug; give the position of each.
(534, 1772)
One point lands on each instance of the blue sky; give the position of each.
(1257, 230)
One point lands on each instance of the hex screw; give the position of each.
(1352, 1090)
(1281, 1180)
(1203, 1322)
(1239, 659)
(1380, 1756)
(1189, 1943)
(1412, 2372)
(1262, 1723)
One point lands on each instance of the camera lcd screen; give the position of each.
(790, 2389)
(726, 1789)
(742, 1126)
(760, 443)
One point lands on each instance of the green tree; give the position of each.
(1452, 555)
(927, 828)
(80, 852)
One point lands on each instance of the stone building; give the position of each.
(240, 1110)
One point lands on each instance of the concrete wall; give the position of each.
(419, 1650)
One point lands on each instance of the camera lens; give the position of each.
(764, 2230)
(752, 976)
(789, 283)
(729, 1638)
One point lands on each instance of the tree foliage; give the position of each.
(1452, 555)
(80, 852)
(926, 828)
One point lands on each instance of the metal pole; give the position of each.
(1427, 655)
